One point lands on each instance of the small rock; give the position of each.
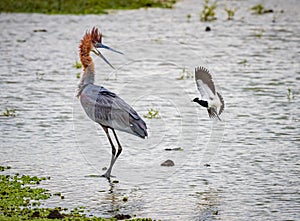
(175, 149)
(168, 163)
(39, 30)
(207, 28)
(207, 165)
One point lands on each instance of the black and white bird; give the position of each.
(210, 99)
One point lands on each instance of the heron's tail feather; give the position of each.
(138, 127)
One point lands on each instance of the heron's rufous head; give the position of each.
(96, 38)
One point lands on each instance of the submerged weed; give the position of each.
(208, 12)
(230, 13)
(20, 200)
(188, 16)
(185, 74)
(152, 114)
(259, 9)
(259, 33)
(244, 62)
(77, 65)
(290, 94)
(9, 113)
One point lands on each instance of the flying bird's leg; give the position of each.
(113, 153)
(215, 112)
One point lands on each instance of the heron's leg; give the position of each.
(113, 152)
(119, 145)
(119, 148)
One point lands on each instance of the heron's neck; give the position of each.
(88, 77)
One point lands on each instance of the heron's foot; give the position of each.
(107, 175)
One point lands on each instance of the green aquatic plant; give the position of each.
(259, 33)
(290, 94)
(208, 12)
(9, 113)
(185, 74)
(259, 9)
(244, 62)
(78, 75)
(152, 114)
(230, 13)
(18, 196)
(39, 75)
(188, 16)
(77, 65)
(21, 198)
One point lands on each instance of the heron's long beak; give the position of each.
(97, 52)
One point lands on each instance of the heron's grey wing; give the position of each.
(113, 111)
(205, 83)
(222, 103)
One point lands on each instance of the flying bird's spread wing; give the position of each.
(222, 103)
(204, 83)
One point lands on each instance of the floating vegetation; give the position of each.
(39, 76)
(9, 113)
(20, 199)
(188, 16)
(230, 13)
(208, 12)
(259, 9)
(185, 74)
(152, 114)
(157, 40)
(290, 94)
(77, 65)
(2, 168)
(78, 75)
(258, 33)
(243, 62)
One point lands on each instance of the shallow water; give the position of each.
(253, 153)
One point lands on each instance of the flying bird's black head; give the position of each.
(196, 99)
(201, 102)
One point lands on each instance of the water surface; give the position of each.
(253, 153)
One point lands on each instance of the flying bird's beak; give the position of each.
(97, 52)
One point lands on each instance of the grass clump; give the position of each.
(243, 62)
(185, 74)
(77, 65)
(208, 12)
(20, 199)
(9, 113)
(259, 9)
(152, 114)
(78, 6)
(290, 94)
(230, 13)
